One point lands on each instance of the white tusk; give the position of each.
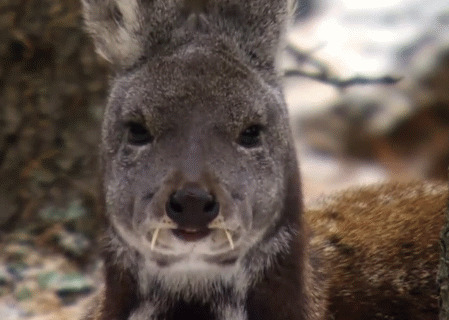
(228, 235)
(154, 238)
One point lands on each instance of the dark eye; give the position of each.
(138, 135)
(250, 137)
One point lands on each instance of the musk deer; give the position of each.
(202, 196)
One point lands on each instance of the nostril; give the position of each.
(174, 204)
(174, 209)
(192, 207)
(211, 208)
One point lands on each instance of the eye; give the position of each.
(137, 134)
(250, 137)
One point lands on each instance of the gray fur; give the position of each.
(196, 74)
(195, 122)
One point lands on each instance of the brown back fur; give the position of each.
(381, 246)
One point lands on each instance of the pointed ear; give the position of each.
(116, 27)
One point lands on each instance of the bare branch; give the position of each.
(342, 83)
(302, 57)
(323, 74)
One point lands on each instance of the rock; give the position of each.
(17, 270)
(68, 287)
(23, 292)
(5, 277)
(76, 244)
(12, 312)
(75, 210)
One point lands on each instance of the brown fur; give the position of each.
(381, 246)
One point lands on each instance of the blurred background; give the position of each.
(362, 134)
(52, 93)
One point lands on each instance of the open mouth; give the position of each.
(191, 234)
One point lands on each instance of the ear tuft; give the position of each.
(116, 27)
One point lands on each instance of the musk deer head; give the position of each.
(197, 153)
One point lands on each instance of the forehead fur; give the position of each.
(195, 78)
(199, 68)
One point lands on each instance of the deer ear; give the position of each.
(116, 27)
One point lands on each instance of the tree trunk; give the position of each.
(52, 87)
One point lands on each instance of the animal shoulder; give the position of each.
(381, 247)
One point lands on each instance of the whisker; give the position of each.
(154, 238)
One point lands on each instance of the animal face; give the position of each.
(195, 150)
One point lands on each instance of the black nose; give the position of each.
(192, 207)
